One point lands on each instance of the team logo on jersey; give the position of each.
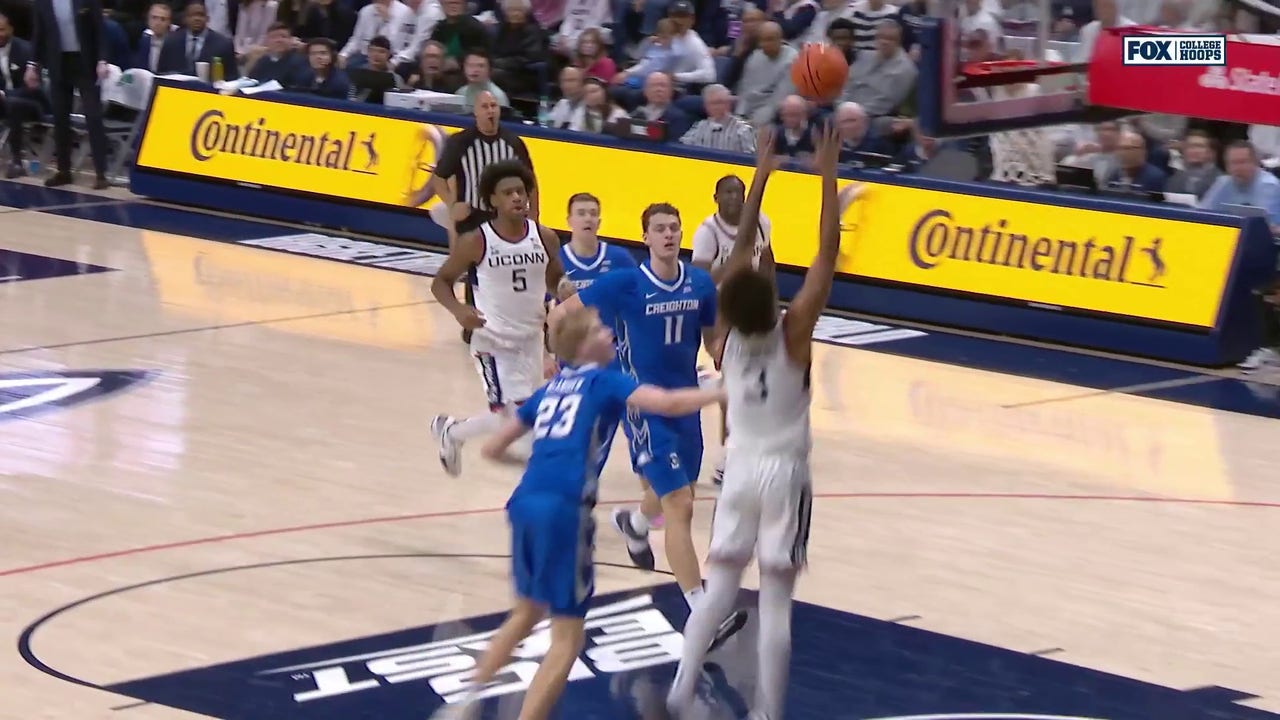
(675, 461)
(24, 394)
(845, 665)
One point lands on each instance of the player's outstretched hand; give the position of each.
(767, 159)
(826, 154)
(469, 318)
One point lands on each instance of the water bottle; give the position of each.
(217, 70)
(544, 112)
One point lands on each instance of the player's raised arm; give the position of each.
(673, 403)
(749, 224)
(467, 251)
(807, 305)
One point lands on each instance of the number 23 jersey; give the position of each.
(658, 322)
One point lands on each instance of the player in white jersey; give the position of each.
(764, 506)
(713, 241)
(516, 260)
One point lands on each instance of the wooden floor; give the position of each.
(286, 419)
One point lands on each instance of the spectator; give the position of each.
(219, 16)
(658, 91)
(571, 92)
(721, 130)
(764, 74)
(1106, 15)
(380, 18)
(579, 17)
(917, 152)
(795, 131)
(722, 23)
(1199, 171)
(856, 137)
(657, 55)
(592, 57)
(795, 17)
(840, 33)
(378, 59)
(426, 15)
(254, 20)
(18, 104)
(596, 111)
(459, 33)
(197, 43)
(114, 38)
(1245, 184)
(428, 72)
(1068, 17)
(1098, 153)
(973, 18)
(475, 70)
(729, 67)
(159, 22)
(279, 62)
(910, 18)
(828, 11)
(291, 13)
(517, 45)
(325, 78)
(1132, 172)
(631, 17)
(1173, 14)
(327, 19)
(882, 80)
(693, 64)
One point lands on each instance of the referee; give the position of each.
(457, 175)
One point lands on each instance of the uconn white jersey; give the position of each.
(714, 239)
(511, 285)
(768, 395)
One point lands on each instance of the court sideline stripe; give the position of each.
(62, 206)
(195, 542)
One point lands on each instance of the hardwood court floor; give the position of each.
(284, 420)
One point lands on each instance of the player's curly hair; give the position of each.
(748, 302)
(501, 170)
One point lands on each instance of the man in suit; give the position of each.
(197, 43)
(159, 21)
(18, 104)
(68, 41)
(280, 62)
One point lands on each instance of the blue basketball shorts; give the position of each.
(552, 549)
(665, 451)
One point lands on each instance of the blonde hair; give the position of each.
(572, 330)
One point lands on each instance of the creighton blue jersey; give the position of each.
(658, 323)
(552, 531)
(584, 271)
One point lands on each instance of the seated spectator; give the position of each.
(1174, 14)
(634, 20)
(579, 17)
(428, 72)
(517, 45)
(1199, 171)
(794, 134)
(918, 151)
(325, 78)
(592, 57)
(377, 59)
(1098, 153)
(657, 55)
(427, 14)
(869, 15)
(910, 18)
(840, 33)
(721, 130)
(1245, 183)
(459, 33)
(253, 21)
(764, 74)
(828, 11)
(974, 17)
(326, 19)
(279, 62)
(571, 92)
(729, 66)
(658, 93)
(1132, 172)
(475, 71)
(794, 16)
(380, 18)
(1106, 15)
(856, 137)
(882, 80)
(722, 23)
(219, 14)
(596, 110)
(693, 65)
(159, 23)
(196, 43)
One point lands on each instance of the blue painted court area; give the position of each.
(843, 666)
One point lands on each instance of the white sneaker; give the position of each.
(1260, 358)
(450, 449)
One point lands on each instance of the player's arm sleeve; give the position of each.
(626, 260)
(618, 387)
(705, 246)
(528, 410)
(604, 293)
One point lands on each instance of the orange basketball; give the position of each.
(819, 71)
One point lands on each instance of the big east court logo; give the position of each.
(843, 667)
(1179, 49)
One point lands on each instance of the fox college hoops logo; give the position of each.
(24, 394)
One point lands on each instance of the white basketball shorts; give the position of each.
(764, 507)
(510, 372)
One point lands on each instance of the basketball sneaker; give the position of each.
(450, 449)
(730, 627)
(637, 542)
(717, 475)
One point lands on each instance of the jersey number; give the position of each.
(556, 415)
(759, 390)
(518, 281)
(674, 326)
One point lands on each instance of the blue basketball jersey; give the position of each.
(584, 271)
(658, 323)
(573, 417)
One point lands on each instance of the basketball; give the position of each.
(819, 71)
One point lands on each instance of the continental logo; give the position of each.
(937, 239)
(213, 135)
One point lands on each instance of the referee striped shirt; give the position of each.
(732, 134)
(468, 152)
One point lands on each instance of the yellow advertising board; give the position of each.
(1154, 269)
